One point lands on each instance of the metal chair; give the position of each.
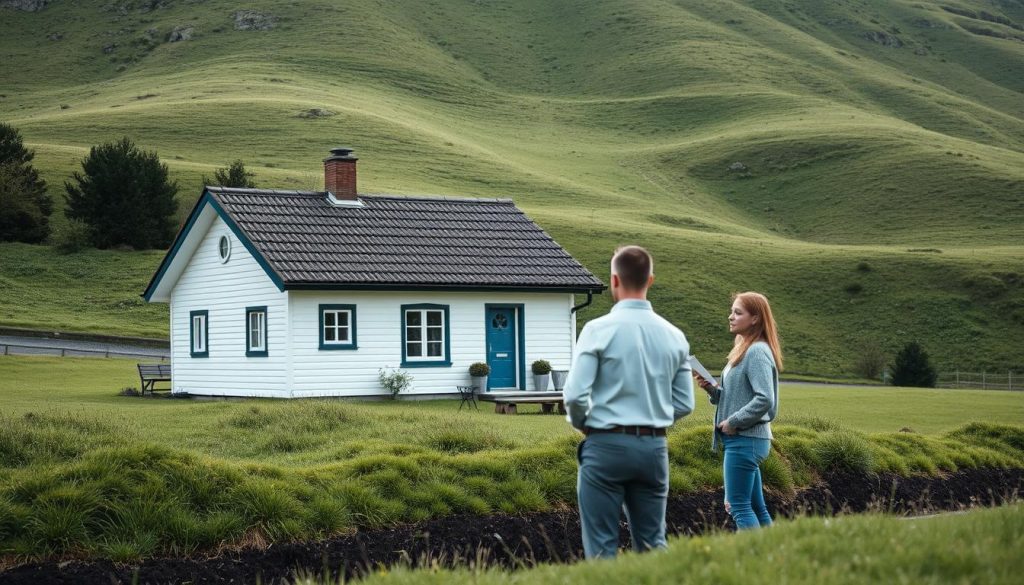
(468, 394)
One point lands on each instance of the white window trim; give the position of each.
(423, 327)
(336, 327)
(260, 313)
(227, 255)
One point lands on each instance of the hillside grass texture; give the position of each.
(879, 197)
(978, 547)
(84, 472)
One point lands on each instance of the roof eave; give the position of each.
(597, 289)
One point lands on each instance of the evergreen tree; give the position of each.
(912, 367)
(124, 196)
(25, 207)
(232, 176)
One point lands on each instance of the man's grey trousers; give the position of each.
(616, 471)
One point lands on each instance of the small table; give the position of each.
(468, 394)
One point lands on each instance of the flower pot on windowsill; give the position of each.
(479, 383)
(558, 378)
(540, 382)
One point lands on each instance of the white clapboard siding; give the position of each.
(225, 290)
(550, 331)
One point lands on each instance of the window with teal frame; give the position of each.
(199, 334)
(337, 327)
(426, 339)
(256, 332)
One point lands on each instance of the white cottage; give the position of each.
(298, 294)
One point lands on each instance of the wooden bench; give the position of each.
(150, 374)
(547, 404)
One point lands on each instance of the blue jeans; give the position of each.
(619, 471)
(744, 493)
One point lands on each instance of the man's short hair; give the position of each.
(634, 266)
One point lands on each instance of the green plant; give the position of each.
(125, 196)
(913, 368)
(25, 207)
(843, 450)
(870, 361)
(72, 236)
(394, 381)
(231, 176)
(541, 367)
(479, 369)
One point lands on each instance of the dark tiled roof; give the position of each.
(396, 241)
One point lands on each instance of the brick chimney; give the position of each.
(340, 174)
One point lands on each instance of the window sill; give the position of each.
(204, 354)
(337, 346)
(250, 353)
(444, 364)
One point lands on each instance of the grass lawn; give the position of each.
(88, 388)
(85, 472)
(982, 546)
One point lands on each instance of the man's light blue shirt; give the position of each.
(630, 368)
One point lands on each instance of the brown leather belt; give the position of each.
(628, 430)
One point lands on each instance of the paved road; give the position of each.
(10, 344)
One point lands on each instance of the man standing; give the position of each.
(629, 381)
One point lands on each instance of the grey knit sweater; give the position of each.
(749, 394)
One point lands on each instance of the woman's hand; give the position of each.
(726, 428)
(707, 386)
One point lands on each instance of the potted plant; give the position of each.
(541, 369)
(478, 372)
(558, 378)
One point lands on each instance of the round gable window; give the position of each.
(225, 248)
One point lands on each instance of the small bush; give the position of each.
(870, 361)
(854, 288)
(479, 369)
(541, 367)
(913, 368)
(863, 267)
(234, 175)
(73, 236)
(394, 381)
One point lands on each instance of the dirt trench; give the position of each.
(519, 541)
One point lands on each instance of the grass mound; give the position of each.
(77, 490)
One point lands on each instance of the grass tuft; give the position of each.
(843, 451)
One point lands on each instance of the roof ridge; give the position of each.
(255, 191)
(448, 198)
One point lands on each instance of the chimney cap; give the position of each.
(341, 153)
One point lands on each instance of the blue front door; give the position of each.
(501, 347)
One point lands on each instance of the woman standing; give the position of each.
(747, 401)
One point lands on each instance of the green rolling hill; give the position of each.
(860, 161)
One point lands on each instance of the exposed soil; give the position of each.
(523, 540)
